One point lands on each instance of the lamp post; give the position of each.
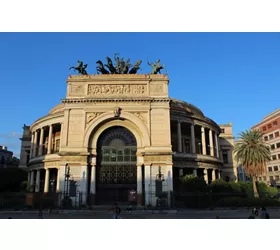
(159, 193)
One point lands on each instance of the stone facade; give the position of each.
(227, 156)
(270, 127)
(171, 138)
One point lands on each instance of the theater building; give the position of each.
(116, 133)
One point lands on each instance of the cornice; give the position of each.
(116, 77)
(46, 118)
(98, 100)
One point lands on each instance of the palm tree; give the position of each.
(253, 153)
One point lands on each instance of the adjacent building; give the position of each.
(115, 133)
(270, 126)
(6, 158)
(226, 148)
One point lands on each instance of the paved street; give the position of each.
(192, 214)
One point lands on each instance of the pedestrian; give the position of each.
(117, 212)
(40, 212)
(129, 208)
(255, 212)
(264, 214)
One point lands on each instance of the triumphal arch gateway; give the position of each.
(114, 133)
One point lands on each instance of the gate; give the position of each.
(116, 165)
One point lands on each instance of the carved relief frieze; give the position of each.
(116, 89)
(92, 116)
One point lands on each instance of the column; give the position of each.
(220, 174)
(41, 142)
(61, 134)
(93, 184)
(205, 172)
(213, 175)
(32, 145)
(194, 172)
(28, 177)
(47, 180)
(83, 183)
(57, 182)
(203, 140)
(170, 185)
(37, 185)
(193, 139)
(211, 143)
(217, 145)
(139, 185)
(32, 181)
(148, 185)
(50, 139)
(179, 136)
(35, 144)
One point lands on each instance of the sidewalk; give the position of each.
(138, 211)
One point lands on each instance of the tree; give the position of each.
(252, 153)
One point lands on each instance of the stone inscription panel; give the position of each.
(117, 89)
(156, 89)
(77, 90)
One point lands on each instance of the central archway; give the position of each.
(116, 171)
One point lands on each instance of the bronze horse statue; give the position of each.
(110, 65)
(100, 68)
(120, 64)
(136, 67)
(126, 67)
(156, 67)
(80, 68)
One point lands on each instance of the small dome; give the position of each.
(56, 109)
(178, 105)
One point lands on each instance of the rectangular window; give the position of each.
(271, 178)
(269, 169)
(278, 145)
(276, 134)
(276, 177)
(264, 178)
(269, 126)
(271, 136)
(222, 130)
(273, 157)
(264, 128)
(272, 146)
(275, 123)
(278, 156)
(260, 178)
(225, 156)
(275, 168)
(266, 138)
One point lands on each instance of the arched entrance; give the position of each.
(116, 171)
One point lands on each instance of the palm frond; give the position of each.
(252, 152)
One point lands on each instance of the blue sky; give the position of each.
(231, 77)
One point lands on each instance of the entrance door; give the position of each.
(116, 166)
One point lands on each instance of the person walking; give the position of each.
(264, 214)
(117, 212)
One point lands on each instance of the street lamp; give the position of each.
(159, 180)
